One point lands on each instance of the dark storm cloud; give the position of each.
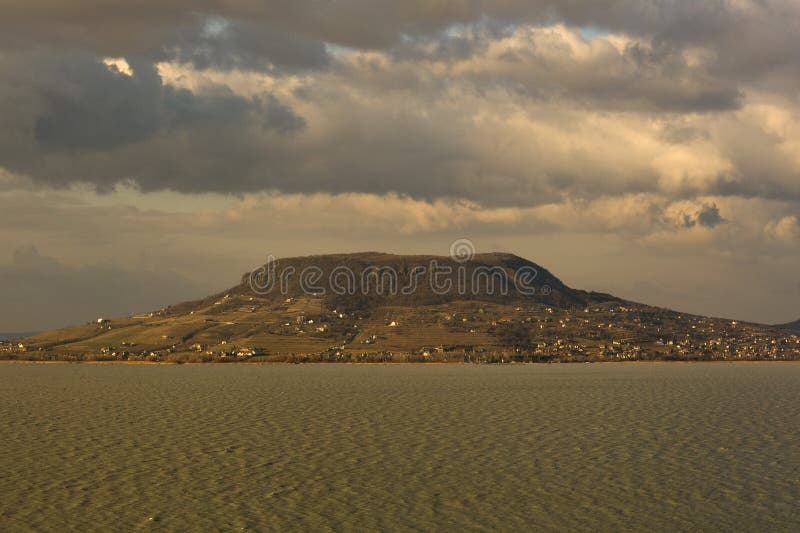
(91, 107)
(72, 118)
(360, 23)
(707, 216)
(281, 117)
(235, 44)
(392, 119)
(750, 35)
(87, 105)
(216, 106)
(162, 137)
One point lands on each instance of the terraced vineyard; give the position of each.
(298, 325)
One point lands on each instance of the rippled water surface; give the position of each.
(346, 447)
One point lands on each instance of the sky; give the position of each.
(154, 152)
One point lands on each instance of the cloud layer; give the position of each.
(498, 102)
(662, 129)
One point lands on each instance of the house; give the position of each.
(245, 352)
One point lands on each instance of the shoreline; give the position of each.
(383, 363)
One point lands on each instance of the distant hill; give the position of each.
(374, 307)
(7, 336)
(790, 325)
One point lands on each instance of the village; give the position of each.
(235, 329)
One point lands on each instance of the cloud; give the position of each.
(688, 215)
(784, 229)
(744, 40)
(556, 62)
(342, 22)
(228, 44)
(73, 118)
(88, 106)
(209, 240)
(374, 124)
(38, 292)
(707, 216)
(215, 127)
(498, 103)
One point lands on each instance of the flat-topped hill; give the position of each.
(380, 307)
(368, 280)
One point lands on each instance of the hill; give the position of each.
(372, 307)
(790, 325)
(8, 336)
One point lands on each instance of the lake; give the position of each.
(609, 447)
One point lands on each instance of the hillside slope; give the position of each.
(790, 325)
(381, 307)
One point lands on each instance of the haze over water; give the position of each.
(381, 447)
